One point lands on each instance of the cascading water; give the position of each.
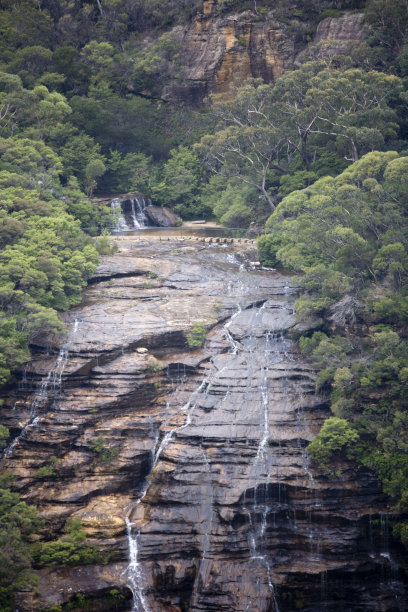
(130, 213)
(253, 351)
(256, 359)
(138, 207)
(50, 382)
(134, 568)
(224, 510)
(120, 224)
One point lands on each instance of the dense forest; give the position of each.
(320, 157)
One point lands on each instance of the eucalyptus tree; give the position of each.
(252, 139)
(268, 131)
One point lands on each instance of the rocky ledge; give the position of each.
(203, 496)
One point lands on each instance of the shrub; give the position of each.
(401, 530)
(103, 245)
(155, 365)
(4, 436)
(334, 13)
(104, 454)
(71, 549)
(196, 335)
(46, 471)
(336, 437)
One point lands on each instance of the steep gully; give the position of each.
(211, 502)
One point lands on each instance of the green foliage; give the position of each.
(386, 24)
(334, 13)
(400, 530)
(71, 549)
(178, 185)
(281, 137)
(337, 231)
(155, 365)
(104, 246)
(4, 436)
(103, 453)
(94, 169)
(336, 438)
(18, 522)
(346, 235)
(130, 172)
(48, 470)
(196, 335)
(46, 259)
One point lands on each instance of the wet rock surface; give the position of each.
(206, 499)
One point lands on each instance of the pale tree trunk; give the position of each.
(354, 152)
(269, 199)
(98, 2)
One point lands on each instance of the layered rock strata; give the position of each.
(208, 500)
(221, 50)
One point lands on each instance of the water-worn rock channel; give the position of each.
(209, 501)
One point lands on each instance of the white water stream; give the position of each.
(133, 219)
(275, 349)
(134, 569)
(50, 382)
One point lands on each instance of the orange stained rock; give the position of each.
(208, 6)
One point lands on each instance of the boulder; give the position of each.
(162, 216)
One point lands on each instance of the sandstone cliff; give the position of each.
(221, 50)
(209, 500)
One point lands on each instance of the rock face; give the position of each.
(162, 216)
(222, 50)
(207, 500)
(338, 32)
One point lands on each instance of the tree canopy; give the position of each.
(347, 236)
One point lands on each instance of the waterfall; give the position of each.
(138, 207)
(134, 571)
(258, 351)
(130, 213)
(52, 381)
(272, 349)
(116, 208)
(224, 510)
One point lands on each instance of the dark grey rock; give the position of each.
(162, 216)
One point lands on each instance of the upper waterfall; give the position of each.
(130, 212)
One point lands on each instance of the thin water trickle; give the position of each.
(261, 348)
(234, 344)
(52, 381)
(208, 501)
(134, 571)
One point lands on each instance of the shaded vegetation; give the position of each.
(19, 522)
(70, 549)
(347, 235)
